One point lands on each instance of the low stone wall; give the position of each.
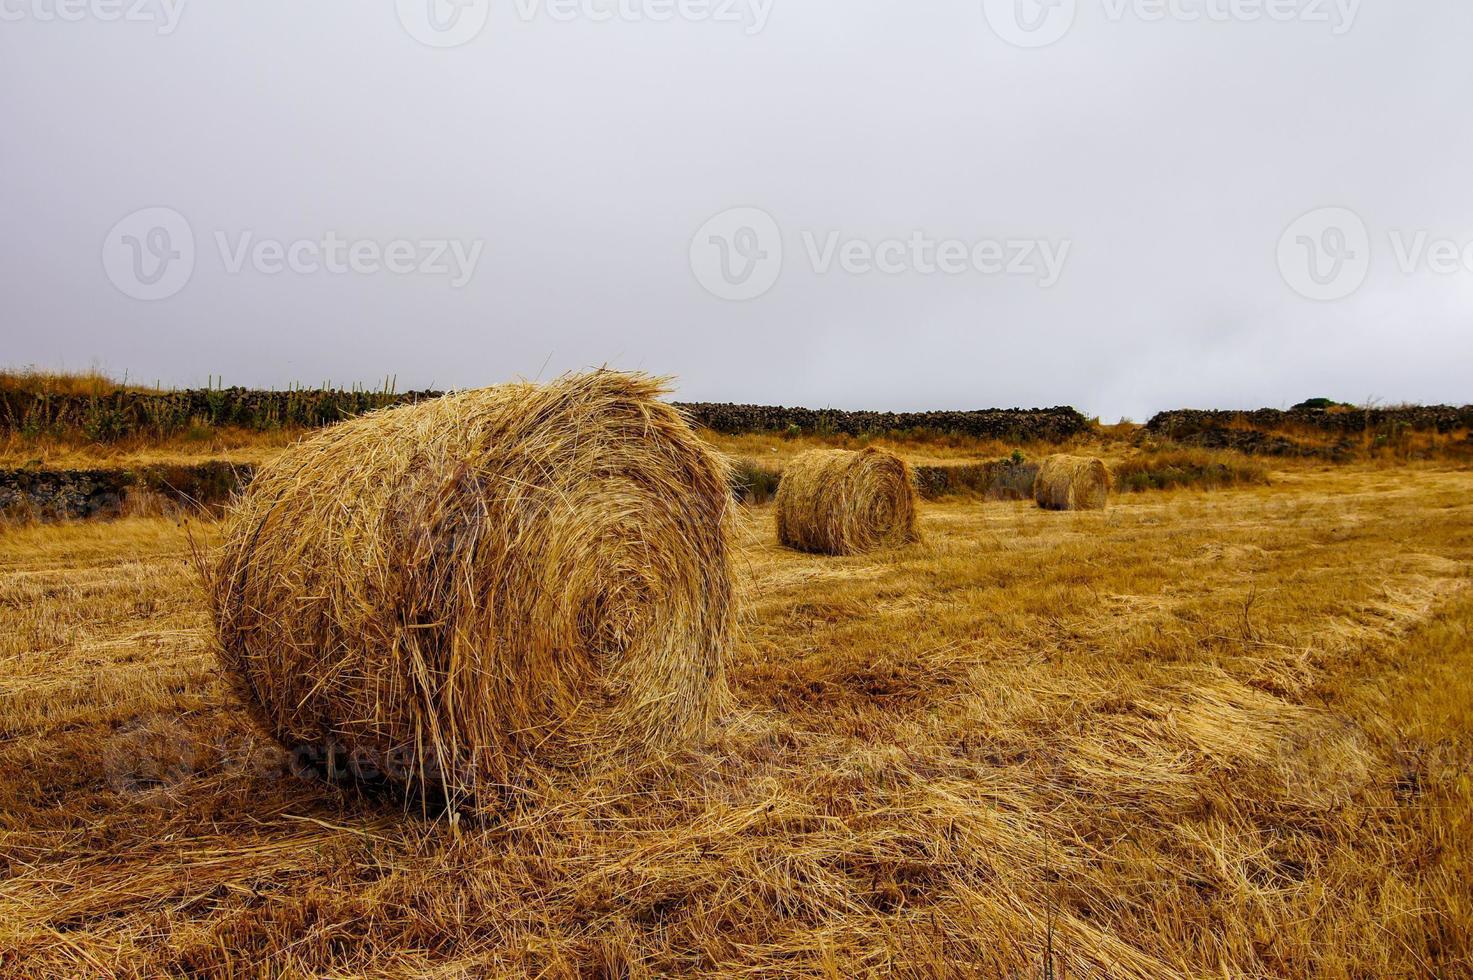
(756, 483)
(204, 485)
(1013, 424)
(49, 495)
(1442, 419)
(1253, 442)
(121, 414)
(1000, 480)
(117, 414)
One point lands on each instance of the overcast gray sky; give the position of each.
(937, 210)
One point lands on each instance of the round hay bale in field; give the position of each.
(1072, 483)
(835, 502)
(454, 589)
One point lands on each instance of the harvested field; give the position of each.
(1194, 735)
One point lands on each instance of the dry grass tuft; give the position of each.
(1190, 468)
(93, 382)
(1072, 483)
(444, 591)
(837, 502)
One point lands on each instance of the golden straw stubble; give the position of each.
(838, 502)
(519, 574)
(1072, 483)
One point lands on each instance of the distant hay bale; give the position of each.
(520, 574)
(1072, 483)
(836, 502)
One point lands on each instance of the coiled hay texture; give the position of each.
(836, 502)
(517, 575)
(1072, 483)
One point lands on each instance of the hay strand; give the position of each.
(837, 502)
(1072, 483)
(454, 588)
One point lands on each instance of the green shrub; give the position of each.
(103, 424)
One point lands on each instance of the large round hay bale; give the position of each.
(836, 502)
(1072, 483)
(455, 589)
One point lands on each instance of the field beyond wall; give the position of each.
(1198, 734)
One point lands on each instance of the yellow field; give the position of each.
(1195, 735)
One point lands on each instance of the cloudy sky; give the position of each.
(1124, 205)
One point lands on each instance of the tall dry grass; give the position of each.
(1186, 468)
(91, 382)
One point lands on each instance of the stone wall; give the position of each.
(1015, 424)
(1419, 418)
(48, 495)
(57, 495)
(128, 413)
(1314, 433)
(1000, 480)
(1253, 442)
(125, 413)
(756, 483)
